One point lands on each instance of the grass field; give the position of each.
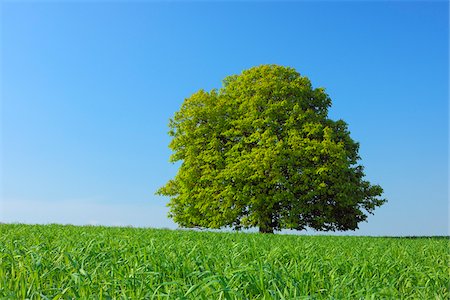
(64, 262)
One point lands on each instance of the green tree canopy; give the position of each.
(262, 152)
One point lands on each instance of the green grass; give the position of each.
(64, 262)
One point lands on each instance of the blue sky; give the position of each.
(87, 89)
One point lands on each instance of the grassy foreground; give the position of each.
(54, 262)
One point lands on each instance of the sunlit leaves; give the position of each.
(262, 152)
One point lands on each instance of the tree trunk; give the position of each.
(266, 223)
(265, 229)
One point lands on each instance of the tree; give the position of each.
(262, 152)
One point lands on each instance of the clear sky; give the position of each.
(87, 90)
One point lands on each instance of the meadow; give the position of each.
(90, 262)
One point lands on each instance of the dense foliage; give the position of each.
(68, 262)
(262, 152)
